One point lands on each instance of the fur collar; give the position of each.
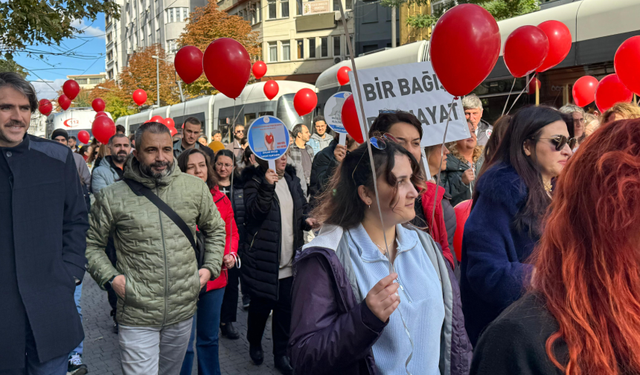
(256, 172)
(502, 184)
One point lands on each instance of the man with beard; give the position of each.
(43, 225)
(157, 278)
(110, 170)
(236, 145)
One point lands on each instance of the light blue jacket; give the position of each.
(103, 175)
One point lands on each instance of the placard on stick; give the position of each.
(268, 138)
(333, 114)
(412, 88)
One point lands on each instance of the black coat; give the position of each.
(43, 226)
(239, 211)
(261, 256)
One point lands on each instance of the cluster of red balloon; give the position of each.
(168, 122)
(103, 127)
(614, 88)
(45, 107)
(71, 90)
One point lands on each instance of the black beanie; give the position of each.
(60, 132)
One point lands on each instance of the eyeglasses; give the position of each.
(239, 131)
(579, 120)
(379, 143)
(220, 165)
(559, 141)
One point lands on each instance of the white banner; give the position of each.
(412, 88)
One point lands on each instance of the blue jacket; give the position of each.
(43, 227)
(493, 272)
(104, 175)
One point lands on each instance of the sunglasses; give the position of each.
(379, 143)
(559, 141)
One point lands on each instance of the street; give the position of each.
(101, 344)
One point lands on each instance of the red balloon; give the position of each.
(188, 63)
(611, 91)
(98, 105)
(525, 50)
(343, 75)
(45, 107)
(350, 120)
(103, 129)
(559, 44)
(532, 85)
(173, 131)
(102, 113)
(271, 89)
(64, 102)
(227, 66)
(626, 63)
(462, 209)
(259, 69)
(156, 118)
(84, 137)
(139, 96)
(71, 89)
(305, 101)
(584, 90)
(169, 122)
(476, 37)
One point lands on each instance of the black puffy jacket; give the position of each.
(239, 212)
(261, 256)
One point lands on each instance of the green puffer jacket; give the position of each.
(156, 258)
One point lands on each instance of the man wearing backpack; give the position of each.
(157, 277)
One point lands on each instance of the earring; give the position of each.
(369, 206)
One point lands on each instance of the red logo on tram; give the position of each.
(72, 122)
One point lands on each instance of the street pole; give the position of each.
(393, 26)
(158, 79)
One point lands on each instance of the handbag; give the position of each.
(197, 243)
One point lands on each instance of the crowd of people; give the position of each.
(349, 248)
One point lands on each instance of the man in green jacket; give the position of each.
(156, 277)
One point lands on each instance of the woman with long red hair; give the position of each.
(582, 314)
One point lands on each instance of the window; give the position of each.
(185, 14)
(109, 38)
(158, 36)
(110, 56)
(95, 81)
(300, 43)
(273, 9)
(336, 46)
(273, 51)
(81, 81)
(324, 47)
(336, 5)
(284, 9)
(312, 48)
(286, 51)
(299, 7)
(173, 46)
(348, 4)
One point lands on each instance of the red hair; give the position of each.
(588, 260)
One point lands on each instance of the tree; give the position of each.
(499, 9)
(29, 22)
(140, 73)
(114, 98)
(11, 66)
(209, 23)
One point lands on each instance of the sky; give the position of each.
(84, 54)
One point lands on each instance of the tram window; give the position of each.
(268, 113)
(249, 117)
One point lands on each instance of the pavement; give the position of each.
(101, 352)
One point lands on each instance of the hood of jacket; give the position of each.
(133, 171)
(502, 184)
(317, 137)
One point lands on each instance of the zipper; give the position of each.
(166, 271)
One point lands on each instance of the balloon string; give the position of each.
(522, 92)
(509, 96)
(444, 138)
(365, 129)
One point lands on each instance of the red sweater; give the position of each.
(437, 225)
(231, 244)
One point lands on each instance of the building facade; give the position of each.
(88, 81)
(300, 39)
(144, 23)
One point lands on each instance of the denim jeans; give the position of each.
(205, 328)
(55, 366)
(77, 296)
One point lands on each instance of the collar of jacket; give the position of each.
(23, 146)
(108, 161)
(133, 172)
(316, 136)
(177, 145)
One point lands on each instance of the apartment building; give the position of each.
(300, 39)
(144, 23)
(88, 81)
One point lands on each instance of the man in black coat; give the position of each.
(43, 225)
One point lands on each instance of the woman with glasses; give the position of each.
(224, 168)
(275, 220)
(581, 314)
(349, 311)
(509, 201)
(195, 162)
(406, 129)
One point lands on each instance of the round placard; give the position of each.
(268, 138)
(333, 111)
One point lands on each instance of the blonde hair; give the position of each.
(624, 110)
(592, 123)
